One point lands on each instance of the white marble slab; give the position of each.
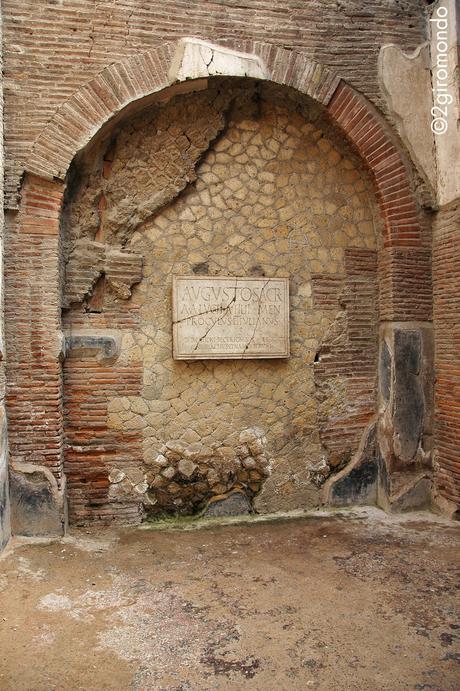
(230, 318)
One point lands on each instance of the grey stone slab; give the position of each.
(35, 508)
(408, 393)
(234, 504)
(107, 345)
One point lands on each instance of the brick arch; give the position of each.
(136, 77)
(35, 407)
(81, 117)
(405, 289)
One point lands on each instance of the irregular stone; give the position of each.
(116, 476)
(219, 488)
(186, 467)
(194, 451)
(161, 460)
(213, 477)
(172, 456)
(190, 436)
(226, 452)
(257, 446)
(169, 472)
(263, 462)
(250, 435)
(158, 482)
(135, 475)
(319, 472)
(242, 451)
(176, 446)
(139, 407)
(141, 487)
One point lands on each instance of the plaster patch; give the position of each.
(406, 84)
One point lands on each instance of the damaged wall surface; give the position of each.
(239, 179)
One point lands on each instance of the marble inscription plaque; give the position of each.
(230, 318)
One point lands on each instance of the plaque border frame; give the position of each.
(177, 355)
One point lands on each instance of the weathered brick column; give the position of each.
(404, 427)
(446, 282)
(4, 490)
(34, 344)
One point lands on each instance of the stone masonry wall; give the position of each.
(240, 179)
(54, 47)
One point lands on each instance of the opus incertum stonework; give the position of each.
(229, 213)
(234, 317)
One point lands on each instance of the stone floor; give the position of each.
(357, 600)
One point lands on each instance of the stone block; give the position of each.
(37, 506)
(5, 527)
(408, 394)
(406, 84)
(415, 497)
(406, 397)
(409, 490)
(106, 346)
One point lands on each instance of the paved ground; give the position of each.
(330, 603)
